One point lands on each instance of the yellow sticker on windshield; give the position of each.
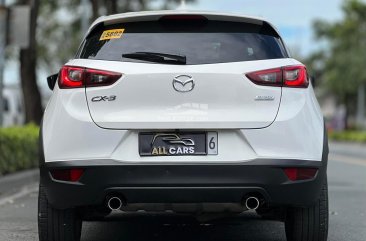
(112, 34)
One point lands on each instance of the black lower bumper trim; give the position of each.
(183, 183)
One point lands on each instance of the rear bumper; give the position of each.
(183, 183)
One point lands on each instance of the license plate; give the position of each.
(178, 144)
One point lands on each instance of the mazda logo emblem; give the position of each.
(183, 83)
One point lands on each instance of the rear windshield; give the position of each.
(201, 42)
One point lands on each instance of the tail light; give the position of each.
(297, 174)
(76, 77)
(289, 76)
(272, 77)
(69, 175)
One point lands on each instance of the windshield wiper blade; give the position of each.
(157, 57)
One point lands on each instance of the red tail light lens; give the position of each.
(272, 77)
(289, 76)
(71, 77)
(95, 77)
(297, 174)
(295, 76)
(76, 77)
(69, 175)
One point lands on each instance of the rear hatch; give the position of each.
(209, 90)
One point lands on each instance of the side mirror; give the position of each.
(313, 80)
(51, 81)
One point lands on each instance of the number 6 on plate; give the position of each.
(212, 143)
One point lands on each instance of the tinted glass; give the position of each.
(202, 42)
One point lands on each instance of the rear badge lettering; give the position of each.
(104, 98)
(264, 98)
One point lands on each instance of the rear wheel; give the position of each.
(311, 223)
(55, 224)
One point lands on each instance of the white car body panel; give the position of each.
(298, 131)
(289, 127)
(223, 98)
(69, 133)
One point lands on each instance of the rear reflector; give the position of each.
(76, 77)
(69, 175)
(288, 76)
(297, 174)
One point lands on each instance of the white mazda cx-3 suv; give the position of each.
(190, 112)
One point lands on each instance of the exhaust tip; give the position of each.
(252, 203)
(114, 203)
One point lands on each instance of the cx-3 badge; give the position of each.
(183, 83)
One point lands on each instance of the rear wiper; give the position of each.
(157, 57)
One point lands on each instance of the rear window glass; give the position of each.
(202, 42)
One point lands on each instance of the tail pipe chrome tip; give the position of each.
(252, 203)
(114, 203)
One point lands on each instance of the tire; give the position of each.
(309, 224)
(55, 224)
